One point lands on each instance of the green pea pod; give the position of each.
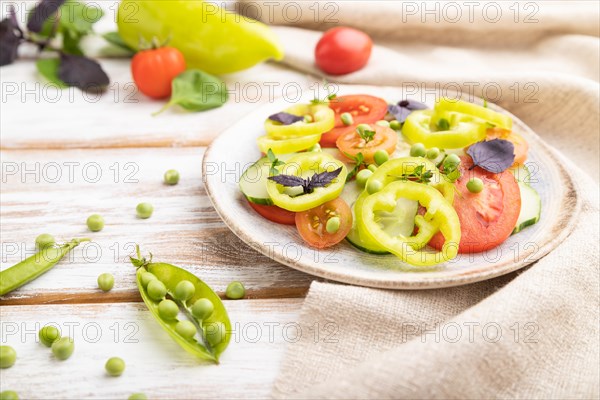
(34, 266)
(211, 39)
(170, 276)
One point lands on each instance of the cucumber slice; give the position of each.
(531, 207)
(253, 182)
(354, 236)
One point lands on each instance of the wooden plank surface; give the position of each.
(155, 363)
(55, 191)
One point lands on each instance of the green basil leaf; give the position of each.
(48, 68)
(116, 40)
(196, 90)
(71, 41)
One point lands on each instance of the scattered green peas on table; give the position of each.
(9, 395)
(106, 281)
(48, 335)
(171, 177)
(63, 348)
(186, 329)
(418, 150)
(44, 240)
(433, 153)
(347, 119)
(202, 309)
(184, 290)
(362, 176)
(235, 290)
(137, 396)
(144, 210)
(333, 225)
(115, 366)
(395, 125)
(95, 223)
(475, 185)
(381, 156)
(156, 289)
(168, 309)
(383, 122)
(8, 356)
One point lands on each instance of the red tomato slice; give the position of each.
(385, 139)
(486, 218)
(275, 214)
(363, 108)
(311, 223)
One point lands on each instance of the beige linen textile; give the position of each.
(527, 335)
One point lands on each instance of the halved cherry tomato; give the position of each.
(275, 214)
(312, 223)
(521, 146)
(385, 139)
(363, 108)
(486, 218)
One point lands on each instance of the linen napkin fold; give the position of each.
(532, 334)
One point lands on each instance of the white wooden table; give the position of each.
(66, 155)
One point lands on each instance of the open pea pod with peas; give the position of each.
(185, 307)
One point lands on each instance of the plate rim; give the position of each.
(567, 221)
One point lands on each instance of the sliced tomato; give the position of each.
(486, 218)
(521, 145)
(312, 223)
(275, 214)
(363, 108)
(385, 139)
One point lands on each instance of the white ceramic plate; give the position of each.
(235, 149)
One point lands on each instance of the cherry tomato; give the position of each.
(343, 50)
(275, 214)
(154, 70)
(486, 218)
(362, 107)
(521, 146)
(312, 223)
(385, 139)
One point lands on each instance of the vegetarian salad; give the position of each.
(422, 184)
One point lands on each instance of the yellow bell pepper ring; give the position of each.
(440, 215)
(285, 146)
(211, 39)
(421, 127)
(306, 165)
(484, 113)
(323, 120)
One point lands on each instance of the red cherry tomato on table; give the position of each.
(154, 70)
(312, 223)
(275, 214)
(343, 50)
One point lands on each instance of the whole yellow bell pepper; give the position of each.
(211, 39)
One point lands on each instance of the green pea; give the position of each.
(9, 395)
(333, 225)
(308, 118)
(362, 176)
(475, 185)
(433, 153)
(363, 127)
(215, 333)
(146, 277)
(235, 290)
(184, 290)
(137, 396)
(144, 210)
(106, 281)
(44, 240)
(171, 177)
(451, 162)
(168, 309)
(115, 366)
(395, 125)
(63, 348)
(315, 148)
(95, 222)
(8, 356)
(383, 122)
(381, 156)
(443, 124)
(372, 167)
(48, 335)
(374, 186)
(156, 290)
(186, 329)
(417, 150)
(203, 309)
(347, 118)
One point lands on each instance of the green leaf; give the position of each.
(196, 90)
(48, 68)
(71, 43)
(116, 40)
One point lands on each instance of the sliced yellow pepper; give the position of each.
(285, 146)
(323, 120)
(493, 117)
(464, 130)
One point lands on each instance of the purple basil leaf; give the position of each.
(10, 39)
(285, 118)
(324, 178)
(493, 155)
(412, 105)
(404, 107)
(288, 180)
(82, 72)
(41, 13)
